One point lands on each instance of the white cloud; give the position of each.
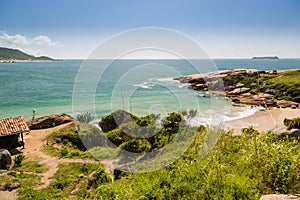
(13, 39)
(42, 39)
(20, 40)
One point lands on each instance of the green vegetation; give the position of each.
(14, 54)
(236, 167)
(240, 78)
(287, 83)
(66, 143)
(239, 167)
(18, 160)
(30, 166)
(28, 175)
(292, 123)
(67, 183)
(284, 86)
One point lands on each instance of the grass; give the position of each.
(287, 83)
(66, 143)
(66, 184)
(30, 166)
(238, 167)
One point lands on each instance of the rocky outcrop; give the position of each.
(221, 83)
(5, 159)
(49, 121)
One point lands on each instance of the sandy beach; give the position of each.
(263, 120)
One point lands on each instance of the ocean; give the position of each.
(138, 86)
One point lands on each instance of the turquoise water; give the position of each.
(139, 86)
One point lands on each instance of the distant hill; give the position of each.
(15, 54)
(266, 57)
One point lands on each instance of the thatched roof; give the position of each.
(13, 125)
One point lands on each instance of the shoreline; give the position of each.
(263, 121)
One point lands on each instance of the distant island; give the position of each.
(265, 57)
(10, 55)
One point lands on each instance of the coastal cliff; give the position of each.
(256, 87)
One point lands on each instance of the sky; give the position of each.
(223, 28)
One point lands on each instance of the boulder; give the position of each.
(5, 159)
(91, 179)
(238, 91)
(287, 104)
(273, 91)
(239, 85)
(49, 121)
(12, 186)
(292, 134)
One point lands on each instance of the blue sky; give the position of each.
(224, 28)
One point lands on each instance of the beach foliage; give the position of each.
(292, 123)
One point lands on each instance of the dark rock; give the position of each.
(272, 91)
(49, 121)
(91, 179)
(5, 159)
(293, 106)
(229, 88)
(236, 100)
(291, 134)
(12, 186)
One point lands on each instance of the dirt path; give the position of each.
(33, 145)
(34, 142)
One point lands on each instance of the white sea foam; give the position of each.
(144, 85)
(245, 112)
(215, 118)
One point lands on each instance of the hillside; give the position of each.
(245, 166)
(14, 54)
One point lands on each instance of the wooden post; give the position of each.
(23, 144)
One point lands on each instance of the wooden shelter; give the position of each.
(11, 132)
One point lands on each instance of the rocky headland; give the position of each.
(249, 86)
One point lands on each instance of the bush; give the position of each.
(292, 123)
(85, 118)
(136, 145)
(18, 160)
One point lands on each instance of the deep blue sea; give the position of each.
(99, 87)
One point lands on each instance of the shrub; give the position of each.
(18, 160)
(292, 123)
(85, 118)
(136, 145)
